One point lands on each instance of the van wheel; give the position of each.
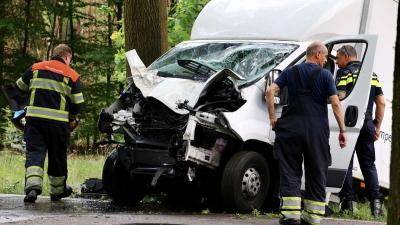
(245, 182)
(118, 183)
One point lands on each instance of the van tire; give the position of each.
(118, 183)
(236, 177)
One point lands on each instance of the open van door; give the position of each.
(354, 105)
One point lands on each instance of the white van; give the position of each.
(195, 121)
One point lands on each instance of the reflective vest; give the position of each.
(54, 91)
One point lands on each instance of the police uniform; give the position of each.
(54, 98)
(302, 132)
(345, 80)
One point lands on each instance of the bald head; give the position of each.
(317, 53)
(315, 48)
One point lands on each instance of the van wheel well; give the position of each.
(266, 150)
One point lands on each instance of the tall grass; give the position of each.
(12, 171)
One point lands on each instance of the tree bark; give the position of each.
(26, 29)
(146, 28)
(118, 13)
(394, 191)
(71, 24)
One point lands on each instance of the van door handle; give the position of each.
(351, 116)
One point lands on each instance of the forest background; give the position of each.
(29, 30)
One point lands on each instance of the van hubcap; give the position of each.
(251, 183)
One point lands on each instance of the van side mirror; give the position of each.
(281, 97)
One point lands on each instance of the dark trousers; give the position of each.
(299, 140)
(42, 137)
(366, 157)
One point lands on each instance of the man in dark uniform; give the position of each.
(346, 77)
(303, 132)
(54, 98)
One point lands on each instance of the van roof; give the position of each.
(295, 20)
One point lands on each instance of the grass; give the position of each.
(12, 171)
(80, 168)
(361, 212)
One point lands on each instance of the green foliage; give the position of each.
(256, 213)
(181, 19)
(79, 169)
(361, 211)
(205, 211)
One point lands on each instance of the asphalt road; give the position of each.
(83, 211)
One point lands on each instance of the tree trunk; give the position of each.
(146, 28)
(394, 191)
(110, 31)
(71, 24)
(26, 29)
(118, 13)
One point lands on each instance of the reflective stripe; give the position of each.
(34, 170)
(311, 218)
(33, 92)
(311, 202)
(51, 85)
(314, 207)
(53, 114)
(290, 204)
(291, 215)
(56, 184)
(62, 103)
(34, 178)
(376, 83)
(21, 85)
(77, 98)
(298, 199)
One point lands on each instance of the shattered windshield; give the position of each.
(250, 60)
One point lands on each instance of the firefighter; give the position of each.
(302, 132)
(54, 99)
(346, 59)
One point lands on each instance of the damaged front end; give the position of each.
(173, 117)
(161, 143)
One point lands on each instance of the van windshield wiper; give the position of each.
(202, 71)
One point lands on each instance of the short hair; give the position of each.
(348, 50)
(62, 50)
(314, 48)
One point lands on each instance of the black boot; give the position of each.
(346, 205)
(289, 222)
(67, 192)
(31, 196)
(376, 207)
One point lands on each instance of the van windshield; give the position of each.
(250, 60)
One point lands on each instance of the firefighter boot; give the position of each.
(67, 192)
(289, 222)
(31, 196)
(346, 206)
(376, 207)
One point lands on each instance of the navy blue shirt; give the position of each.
(324, 84)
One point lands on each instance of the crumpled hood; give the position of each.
(171, 91)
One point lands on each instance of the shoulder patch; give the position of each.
(57, 67)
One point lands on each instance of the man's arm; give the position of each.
(379, 113)
(337, 110)
(23, 82)
(269, 97)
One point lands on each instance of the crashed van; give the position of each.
(195, 123)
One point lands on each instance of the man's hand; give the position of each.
(342, 140)
(377, 134)
(73, 124)
(272, 123)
